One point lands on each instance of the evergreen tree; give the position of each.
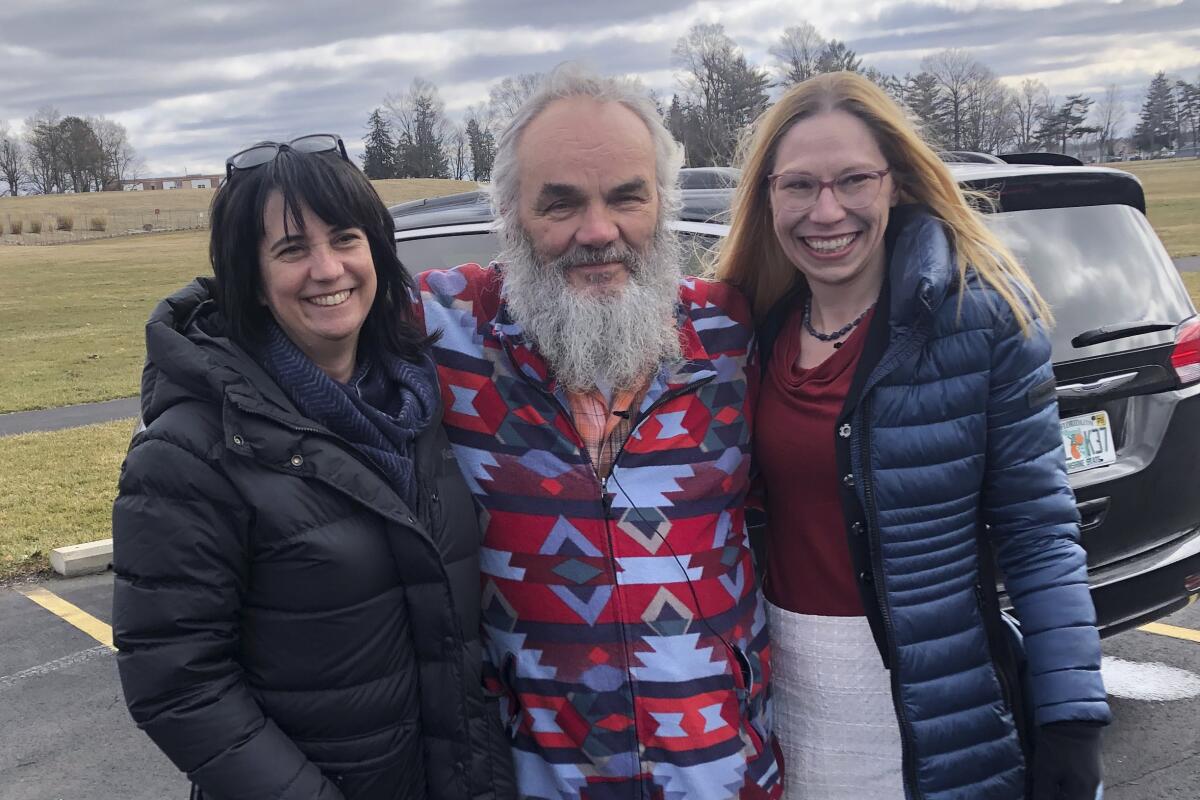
(405, 167)
(1157, 124)
(1188, 103)
(723, 94)
(422, 131)
(483, 150)
(1060, 124)
(921, 94)
(428, 156)
(836, 57)
(379, 155)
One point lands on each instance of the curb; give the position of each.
(82, 559)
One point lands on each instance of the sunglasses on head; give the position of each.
(263, 152)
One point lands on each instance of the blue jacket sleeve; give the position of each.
(1030, 511)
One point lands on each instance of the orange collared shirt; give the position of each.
(604, 430)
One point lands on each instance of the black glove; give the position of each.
(1066, 761)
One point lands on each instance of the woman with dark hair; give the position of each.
(907, 437)
(296, 552)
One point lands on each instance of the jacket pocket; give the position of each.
(747, 685)
(497, 690)
(1006, 647)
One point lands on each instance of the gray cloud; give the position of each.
(194, 82)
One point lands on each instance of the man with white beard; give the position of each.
(600, 405)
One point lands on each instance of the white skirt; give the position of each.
(833, 711)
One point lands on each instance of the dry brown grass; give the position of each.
(179, 209)
(1172, 201)
(57, 489)
(1192, 281)
(71, 316)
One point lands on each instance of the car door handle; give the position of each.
(1079, 391)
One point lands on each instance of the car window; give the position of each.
(709, 178)
(1096, 265)
(450, 250)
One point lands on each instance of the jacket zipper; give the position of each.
(412, 520)
(606, 507)
(906, 747)
(602, 485)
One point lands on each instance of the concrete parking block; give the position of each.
(82, 559)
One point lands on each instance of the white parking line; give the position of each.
(1152, 681)
(50, 666)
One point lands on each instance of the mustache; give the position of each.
(586, 256)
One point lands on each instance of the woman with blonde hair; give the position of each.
(907, 438)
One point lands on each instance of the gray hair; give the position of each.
(573, 80)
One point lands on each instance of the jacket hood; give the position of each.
(189, 355)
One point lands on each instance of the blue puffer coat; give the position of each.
(950, 430)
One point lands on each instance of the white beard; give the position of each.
(617, 338)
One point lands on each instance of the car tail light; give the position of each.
(1185, 358)
(1192, 582)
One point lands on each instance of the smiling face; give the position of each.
(830, 244)
(319, 284)
(587, 186)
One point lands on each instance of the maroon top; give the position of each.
(808, 561)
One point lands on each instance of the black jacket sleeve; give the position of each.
(181, 559)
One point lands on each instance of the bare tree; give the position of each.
(458, 152)
(507, 96)
(44, 151)
(422, 130)
(118, 158)
(797, 53)
(1029, 102)
(990, 117)
(723, 93)
(12, 161)
(81, 156)
(957, 74)
(1107, 118)
(481, 141)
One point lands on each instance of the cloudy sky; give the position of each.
(195, 80)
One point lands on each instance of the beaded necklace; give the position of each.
(839, 333)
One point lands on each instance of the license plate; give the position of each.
(1087, 440)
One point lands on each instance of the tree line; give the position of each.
(957, 101)
(65, 154)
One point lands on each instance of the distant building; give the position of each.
(152, 184)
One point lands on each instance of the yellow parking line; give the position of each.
(73, 614)
(1173, 631)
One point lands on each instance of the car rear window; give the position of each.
(450, 250)
(1096, 265)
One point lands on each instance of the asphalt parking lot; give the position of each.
(65, 733)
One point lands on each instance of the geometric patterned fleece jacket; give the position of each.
(624, 634)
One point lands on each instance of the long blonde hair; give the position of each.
(751, 257)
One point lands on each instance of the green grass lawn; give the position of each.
(72, 315)
(1172, 201)
(71, 319)
(57, 489)
(1192, 281)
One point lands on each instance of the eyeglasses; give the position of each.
(799, 191)
(263, 152)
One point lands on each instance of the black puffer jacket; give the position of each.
(287, 628)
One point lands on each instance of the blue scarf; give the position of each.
(380, 411)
